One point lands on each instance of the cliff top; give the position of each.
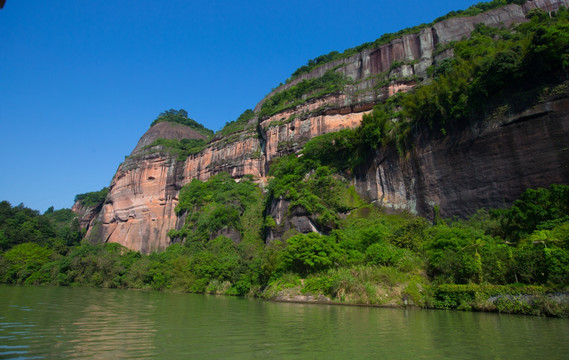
(181, 117)
(167, 130)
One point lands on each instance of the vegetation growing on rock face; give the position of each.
(329, 83)
(219, 205)
(388, 37)
(92, 199)
(494, 67)
(504, 260)
(495, 71)
(179, 148)
(181, 117)
(369, 258)
(239, 125)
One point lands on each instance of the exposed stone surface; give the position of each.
(238, 158)
(166, 130)
(287, 131)
(86, 214)
(417, 49)
(487, 167)
(139, 209)
(482, 168)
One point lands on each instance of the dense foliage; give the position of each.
(363, 257)
(179, 148)
(220, 205)
(316, 189)
(181, 117)
(55, 228)
(92, 199)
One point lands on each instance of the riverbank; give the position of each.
(70, 322)
(508, 299)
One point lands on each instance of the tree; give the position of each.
(309, 253)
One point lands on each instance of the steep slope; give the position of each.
(139, 209)
(165, 130)
(484, 167)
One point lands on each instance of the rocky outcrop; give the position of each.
(86, 214)
(165, 130)
(287, 131)
(139, 209)
(483, 167)
(239, 157)
(411, 55)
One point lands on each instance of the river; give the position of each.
(85, 323)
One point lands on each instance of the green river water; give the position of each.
(84, 323)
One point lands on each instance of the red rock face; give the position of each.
(287, 131)
(484, 169)
(239, 158)
(139, 209)
(166, 130)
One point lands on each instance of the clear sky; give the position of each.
(81, 80)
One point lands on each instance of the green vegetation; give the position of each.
(508, 260)
(388, 37)
(478, 9)
(493, 68)
(316, 189)
(181, 117)
(219, 205)
(493, 261)
(55, 229)
(329, 83)
(238, 125)
(179, 148)
(183, 148)
(494, 72)
(92, 199)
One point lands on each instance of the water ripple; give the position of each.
(73, 323)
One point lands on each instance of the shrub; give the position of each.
(309, 253)
(181, 117)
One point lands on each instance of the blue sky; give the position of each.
(81, 81)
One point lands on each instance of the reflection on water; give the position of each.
(72, 323)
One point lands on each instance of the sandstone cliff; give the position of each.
(485, 167)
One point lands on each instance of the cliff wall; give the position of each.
(414, 53)
(486, 167)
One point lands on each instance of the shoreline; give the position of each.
(550, 304)
(554, 304)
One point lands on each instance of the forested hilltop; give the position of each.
(232, 237)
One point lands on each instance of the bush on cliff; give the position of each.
(92, 199)
(181, 117)
(238, 125)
